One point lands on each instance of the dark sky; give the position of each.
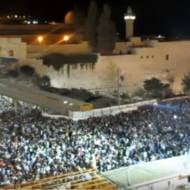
(167, 17)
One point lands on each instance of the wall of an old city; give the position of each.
(168, 61)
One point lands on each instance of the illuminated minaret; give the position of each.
(129, 23)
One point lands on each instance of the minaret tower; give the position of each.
(129, 18)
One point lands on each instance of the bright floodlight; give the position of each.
(129, 17)
(35, 22)
(66, 38)
(40, 39)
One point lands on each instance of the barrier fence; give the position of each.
(82, 115)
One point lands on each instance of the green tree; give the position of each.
(186, 83)
(106, 31)
(156, 89)
(91, 25)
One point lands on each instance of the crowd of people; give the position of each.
(32, 147)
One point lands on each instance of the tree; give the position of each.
(106, 32)
(91, 25)
(156, 89)
(186, 83)
(167, 91)
(79, 18)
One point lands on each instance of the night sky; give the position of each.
(166, 17)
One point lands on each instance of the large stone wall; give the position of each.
(13, 47)
(165, 60)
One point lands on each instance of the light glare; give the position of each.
(129, 17)
(66, 38)
(40, 39)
